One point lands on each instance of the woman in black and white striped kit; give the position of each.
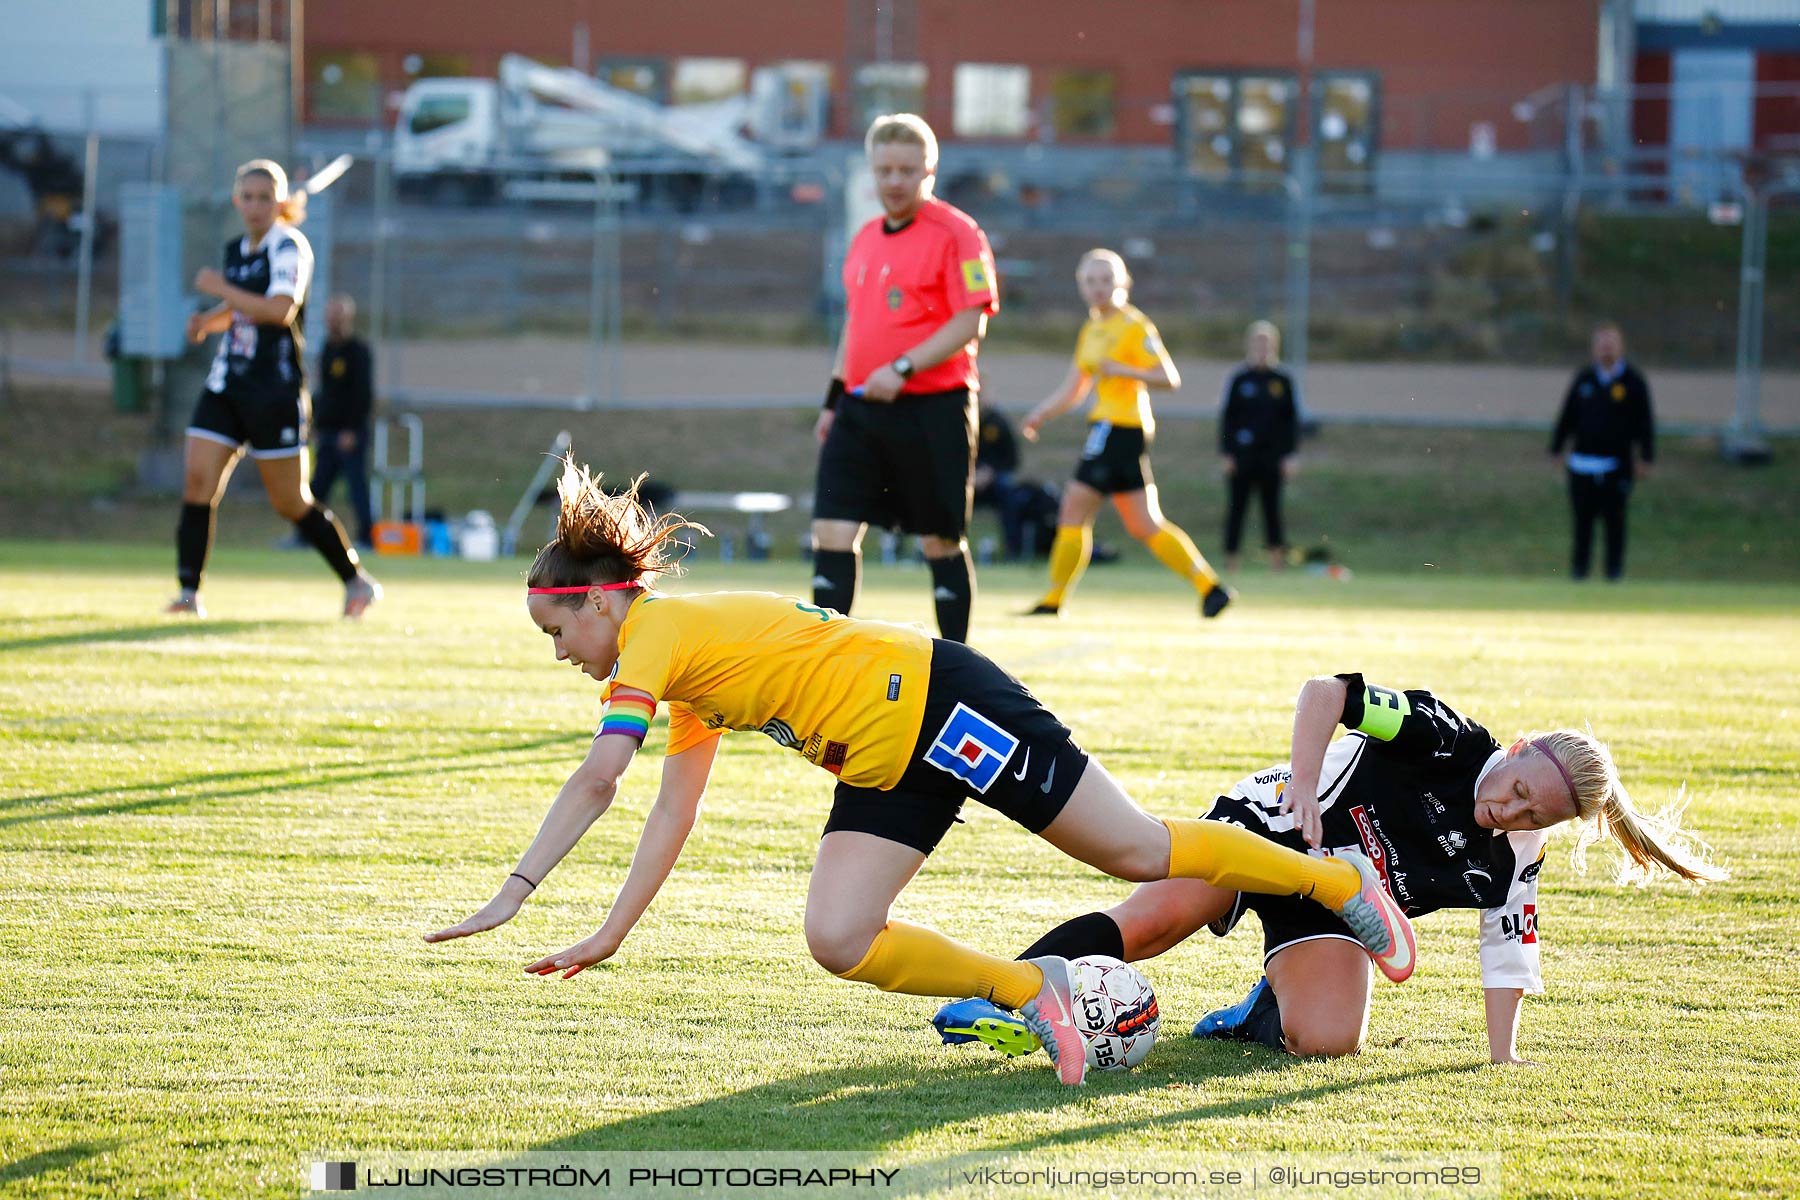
(255, 393)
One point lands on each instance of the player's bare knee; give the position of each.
(836, 946)
(1312, 1041)
(290, 508)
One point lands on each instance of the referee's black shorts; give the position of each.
(1114, 459)
(908, 465)
(984, 737)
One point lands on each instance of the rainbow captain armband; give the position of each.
(629, 715)
(1383, 712)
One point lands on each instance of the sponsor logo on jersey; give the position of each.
(813, 745)
(1433, 803)
(833, 758)
(1531, 872)
(975, 276)
(781, 732)
(1452, 842)
(1520, 927)
(1275, 387)
(1478, 882)
(1374, 845)
(1618, 391)
(894, 299)
(1279, 778)
(893, 687)
(289, 436)
(972, 748)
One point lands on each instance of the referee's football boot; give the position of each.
(1051, 1015)
(1378, 922)
(978, 1020)
(1230, 1024)
(1216, 598)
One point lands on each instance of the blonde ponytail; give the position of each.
(1645, 840)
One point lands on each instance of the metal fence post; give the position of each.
(90, 186)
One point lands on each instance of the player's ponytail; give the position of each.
(290, 205)
(1646, 840)
(604, 538)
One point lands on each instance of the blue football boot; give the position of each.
(1230, 1023)
(977, 1020)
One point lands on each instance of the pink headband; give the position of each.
(583, 587)
(1543, 748)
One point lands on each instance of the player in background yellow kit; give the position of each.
(1118, 358)
(911, 726)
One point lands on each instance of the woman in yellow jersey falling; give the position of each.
(911, 726)
(1119, 358)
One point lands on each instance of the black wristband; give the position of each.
(834, 393)
(516, 875)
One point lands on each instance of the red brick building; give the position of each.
(1394, 74)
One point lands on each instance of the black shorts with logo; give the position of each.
(908, 465)
(1286, 920)
(1115, 458)
(984, 737)
(276, 422)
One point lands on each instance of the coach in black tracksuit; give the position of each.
(1605, 419)
(1258, 433)
(345, 404)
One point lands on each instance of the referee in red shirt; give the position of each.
(897, 435)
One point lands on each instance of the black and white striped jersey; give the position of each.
(265, 357)
(1401, 788)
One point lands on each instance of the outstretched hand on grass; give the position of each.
(596, 948)
(498, 911)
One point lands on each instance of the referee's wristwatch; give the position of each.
(903, 367)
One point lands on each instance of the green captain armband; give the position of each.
(1383, 711)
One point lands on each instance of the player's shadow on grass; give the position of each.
(46, 1162)
(227, 785)
(871, 1107)
(140, 633)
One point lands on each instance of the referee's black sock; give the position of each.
(193, 542)
(834, 579)
(953, 591)
(1091, 933)
(324, 534)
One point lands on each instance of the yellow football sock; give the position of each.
(1069, 555)
(923, 962)
(1229, 857)
(1176, 551)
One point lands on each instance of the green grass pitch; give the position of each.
(220, 842)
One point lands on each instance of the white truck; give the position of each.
(538, 129)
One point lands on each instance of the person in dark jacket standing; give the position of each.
(1258, 433)
(346, 403)
(1605, 420)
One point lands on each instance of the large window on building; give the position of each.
(704, 80)
(992, 100)
(1205, 123)
(346, 86)
(436, 66)
(1232, 122)
(646, 77)
(1265, 123)
(1346, 122)
(1082, 104)
(888, 87)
